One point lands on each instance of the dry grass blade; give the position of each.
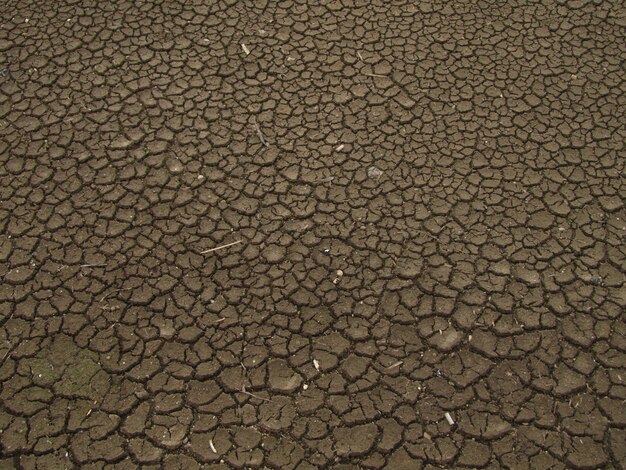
(257, 128)
(244, 391)
(395, 364)
(105, 296)
(220, 247)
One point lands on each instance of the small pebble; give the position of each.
(374, 172)
(175, 166)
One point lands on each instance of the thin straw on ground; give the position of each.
(257, 128)
(220, 247)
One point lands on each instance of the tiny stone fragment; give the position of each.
(374, 172)
(175, 166)
(596, 280)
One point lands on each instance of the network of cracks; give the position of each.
(301, 234)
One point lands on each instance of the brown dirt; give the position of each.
(430, 203)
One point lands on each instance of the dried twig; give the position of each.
(375, 75)
(113, 292)
(98, 265)
(395, 364)
(109, 309)
(5, 355)
(257, 128)
(429, 235)
(8, 351)
(244, 391)
(326, 179)
(220, 247)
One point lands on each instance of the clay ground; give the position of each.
(424, 210)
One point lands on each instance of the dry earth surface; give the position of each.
(425, 209)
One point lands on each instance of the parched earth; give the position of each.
(415, 212)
